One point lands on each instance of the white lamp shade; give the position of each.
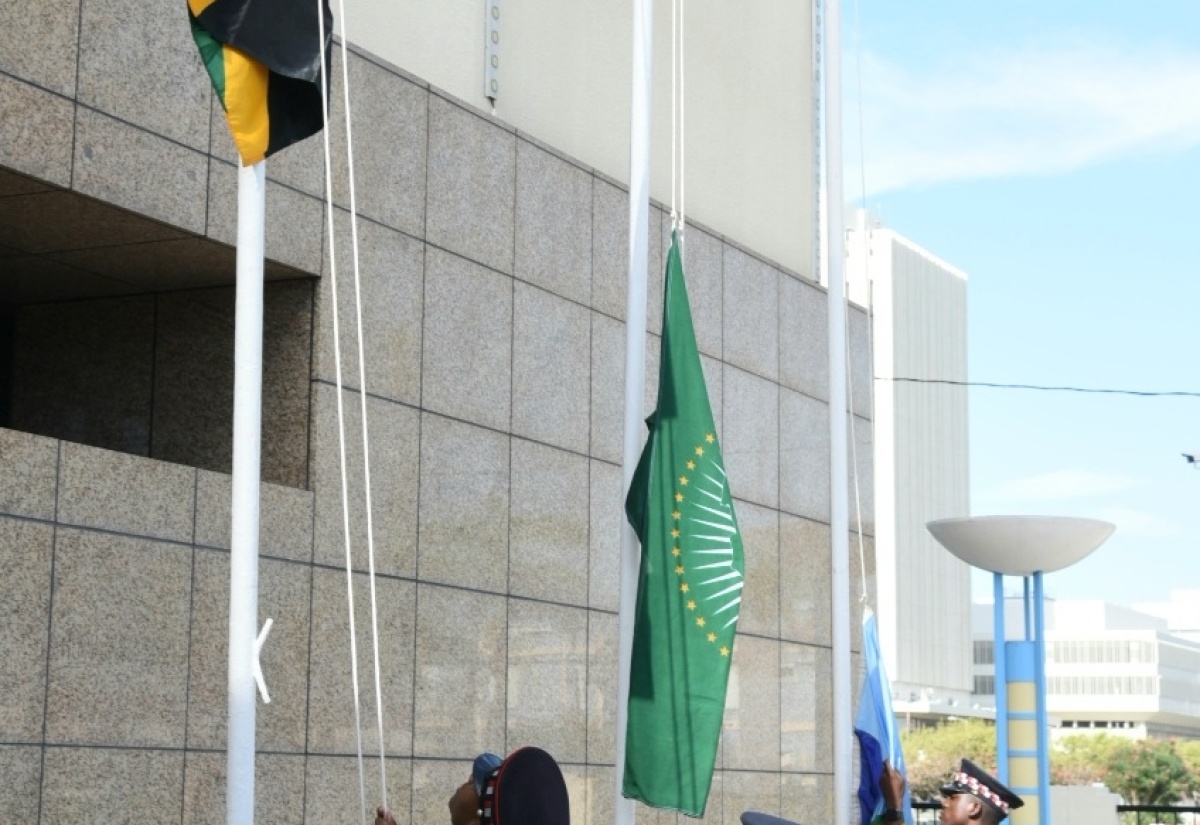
(1021, 545)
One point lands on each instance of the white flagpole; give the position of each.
(247, 449)
(635, 368)
(839, 514)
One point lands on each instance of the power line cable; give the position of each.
(1042, 388)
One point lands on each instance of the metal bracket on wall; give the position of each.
(491, 69)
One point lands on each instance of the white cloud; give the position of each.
(1044, 111)
(1057, 486)
(1138, 524)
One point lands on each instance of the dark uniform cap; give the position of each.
(757, 818)
(526, 789)
(974, 780)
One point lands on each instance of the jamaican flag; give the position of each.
(264, 58)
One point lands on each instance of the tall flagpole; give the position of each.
(247, 450)
(839, 518)
(635, 368)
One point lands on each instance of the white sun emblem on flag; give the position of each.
(704, 534)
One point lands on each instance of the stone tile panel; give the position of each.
(547, 679)
(21, 767)
(126, 493)
(285, 517)
(806, 707)
(601, 688)
(551, 369)
(553, 223)
(433, 782)
(393, 431)
(460, 674)
(607, 409)
(601, 792)
(604, 539)
(278, 788)
(860, 453)
(118, 642)
(331, 790)
(28, 483)
(804, 337)
(38, 43)
(746, 791)
(464, 509)
(111, 785)
(610, 247)
(467, 360)
(751, 290)
(36, 127)
(750, 735)
(390, 131)
(139, 171)
(390, 292)
(805, 604)
(331, 686)
(142, 67)
(807, 797)
(471, 185)
(26, 555)
(803, 455)
(750, 442)
(759, 611)
(548, 544)
(858, 331)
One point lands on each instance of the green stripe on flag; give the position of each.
(212, 55)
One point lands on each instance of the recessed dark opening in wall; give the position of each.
(6, 353)
(116, 331)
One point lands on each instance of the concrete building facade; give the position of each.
(1109, 669)
(492, 259)
(918, 308)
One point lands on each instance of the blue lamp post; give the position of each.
(1025, 546)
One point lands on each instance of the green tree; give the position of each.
(1083, 759)
(1149, 772)
(933, 753)
(1189, 752)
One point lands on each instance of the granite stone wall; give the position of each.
(493, 302)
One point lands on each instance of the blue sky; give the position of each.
(1051, 150)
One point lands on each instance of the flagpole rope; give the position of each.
(678, 129)
(682, 130)
(674, 106)
(862, 553)
(337, 359)
(362, 395)
(862, 169)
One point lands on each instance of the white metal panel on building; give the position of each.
(919, 322)
(564, 76)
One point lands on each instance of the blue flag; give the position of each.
(875, 727)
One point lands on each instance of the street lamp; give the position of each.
(1025, 546)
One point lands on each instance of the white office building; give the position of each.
(1109, 668)
(918, 307)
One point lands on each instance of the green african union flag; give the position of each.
(690, 581)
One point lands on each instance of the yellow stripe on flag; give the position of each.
(198, 6)
(246, 104)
